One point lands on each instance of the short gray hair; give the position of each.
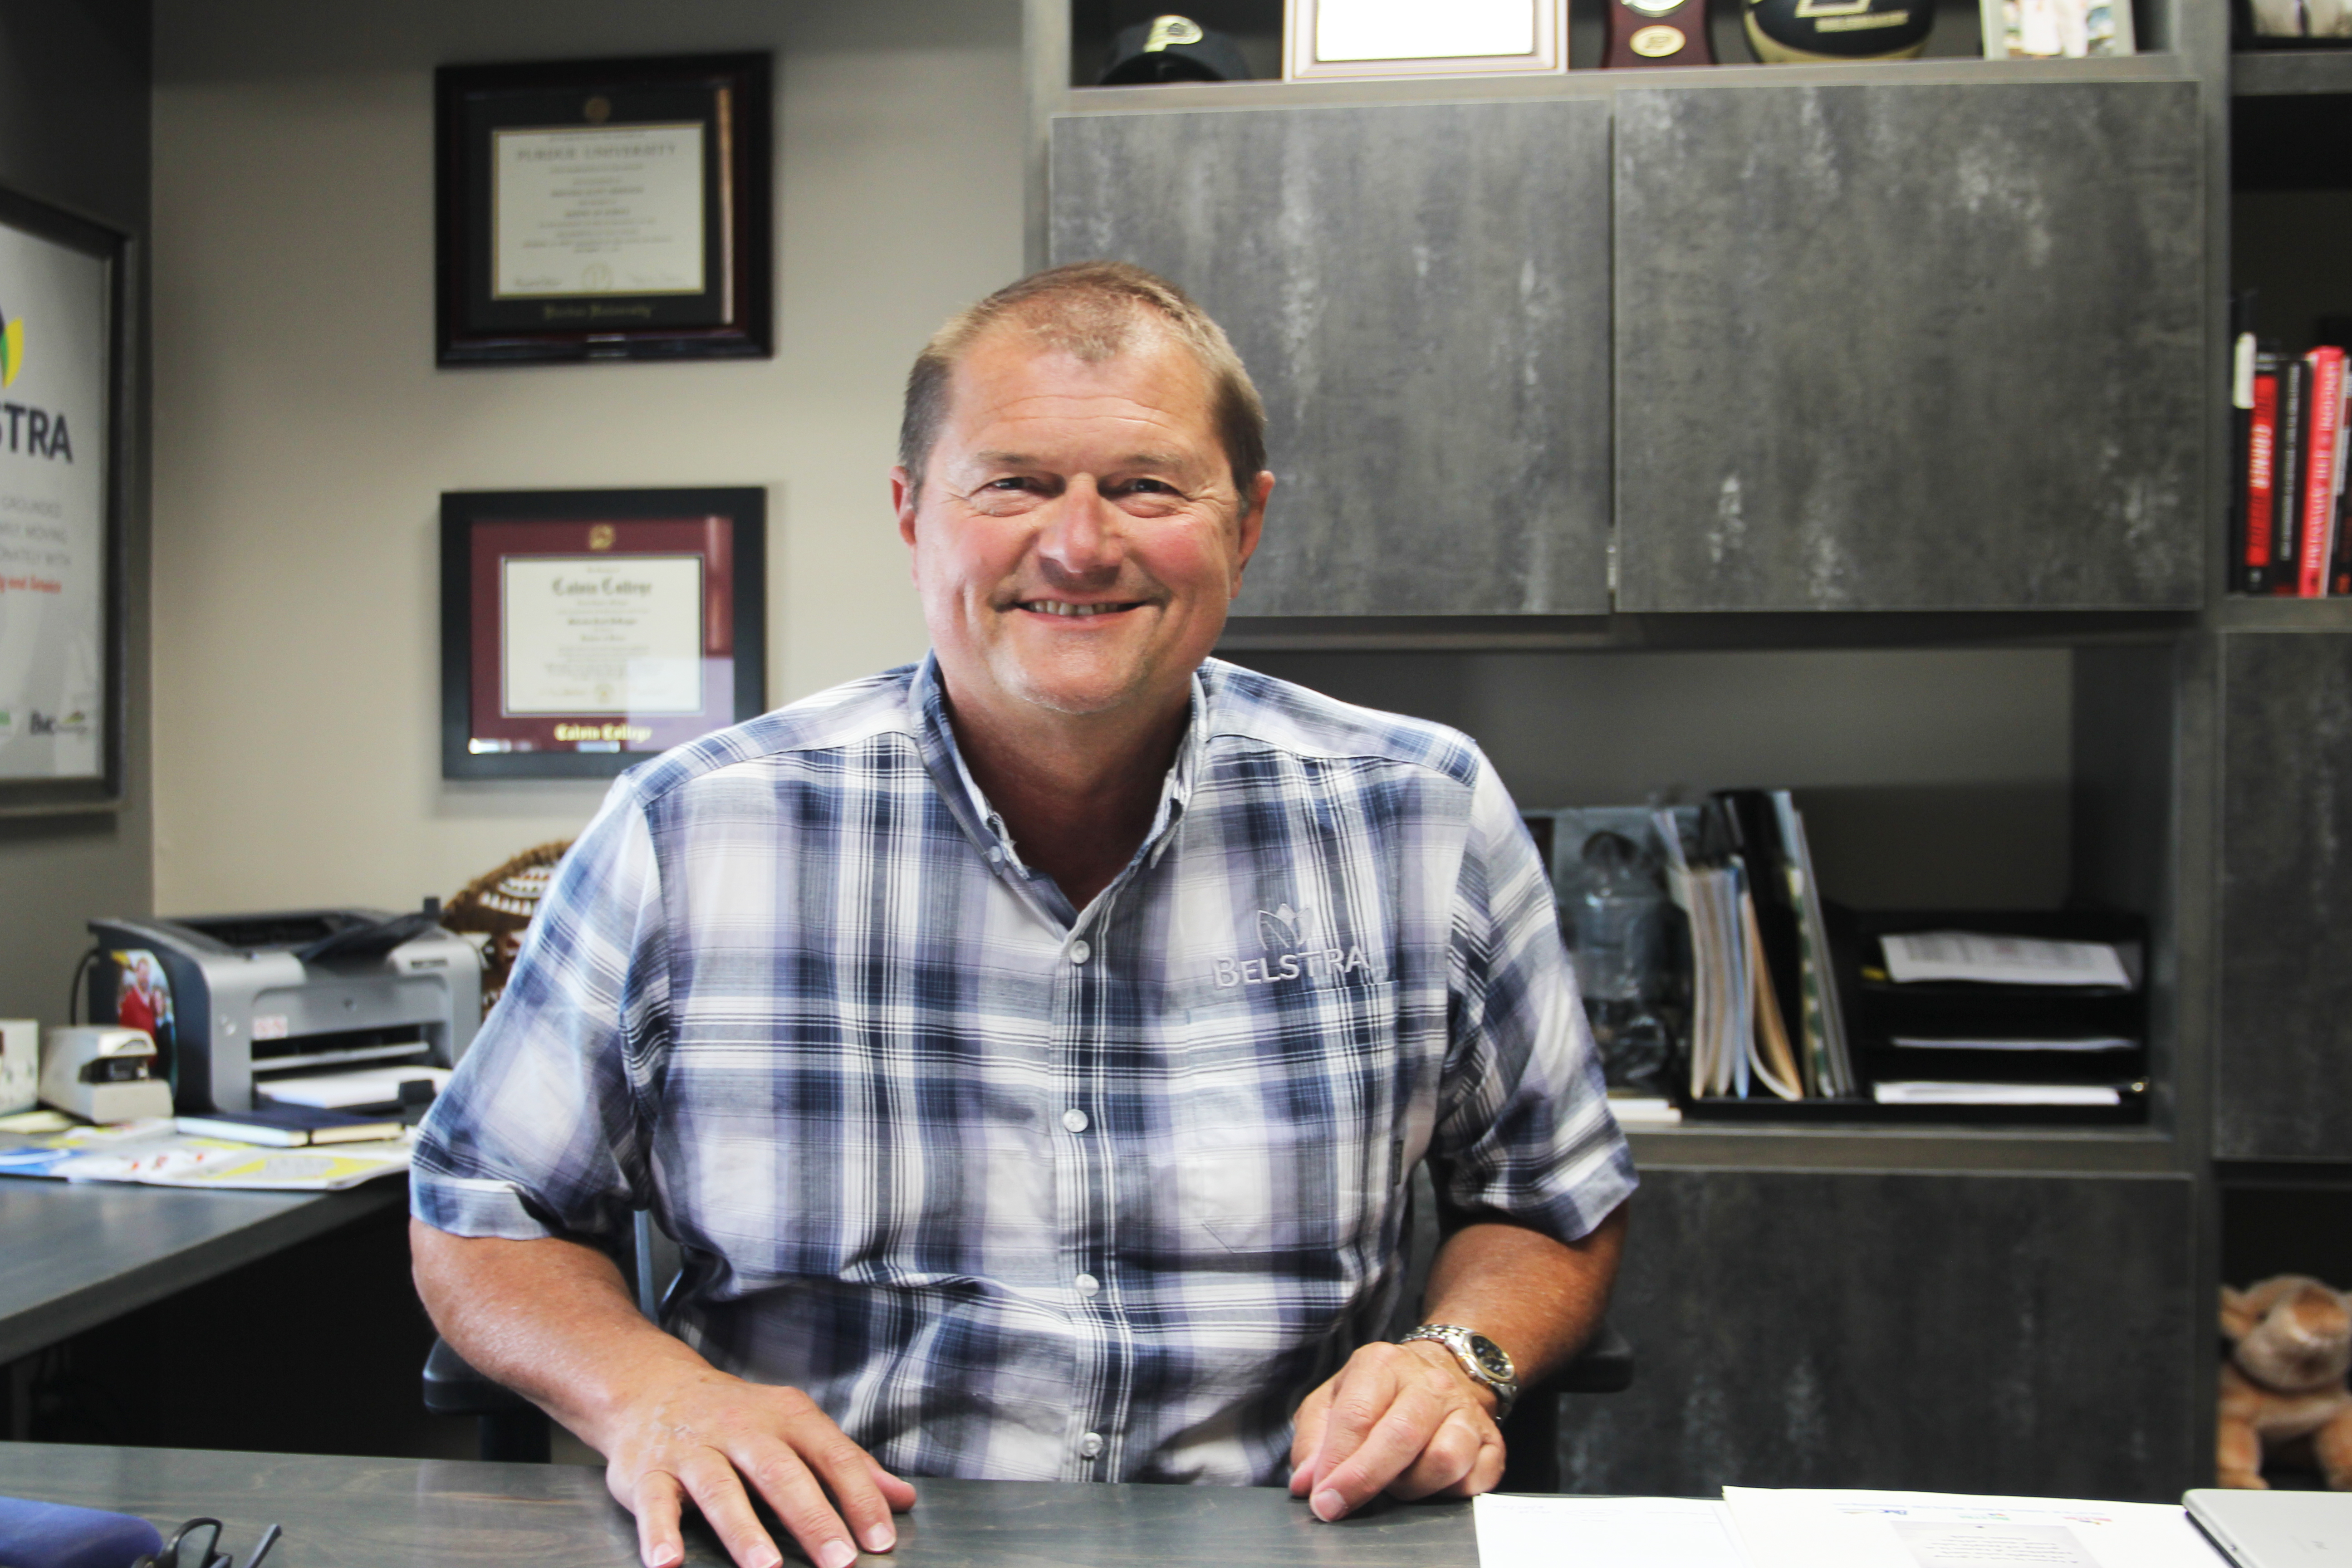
(1095, 311)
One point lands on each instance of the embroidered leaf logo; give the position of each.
(1278, 932)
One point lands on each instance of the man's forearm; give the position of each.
(1539, 1298)
(551, 1320)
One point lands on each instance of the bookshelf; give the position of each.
(2281, 1196)
(1756, 1245)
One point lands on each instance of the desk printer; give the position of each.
(264, 996)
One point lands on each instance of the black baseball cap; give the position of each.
(1173, 48)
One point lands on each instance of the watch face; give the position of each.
(1490, 1355)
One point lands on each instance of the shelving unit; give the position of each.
(1756, 1243)
(2282, 1189)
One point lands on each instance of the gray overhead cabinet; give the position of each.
(1910, 346)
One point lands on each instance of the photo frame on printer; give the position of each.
(62, 686)
(584, 631)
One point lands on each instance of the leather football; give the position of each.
(1789, 32)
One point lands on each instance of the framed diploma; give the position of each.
(582, 631)
(1329, 39)
(604, 209)
(61, 377)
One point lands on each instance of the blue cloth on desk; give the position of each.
(56, 1536)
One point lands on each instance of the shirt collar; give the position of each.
(927, 707)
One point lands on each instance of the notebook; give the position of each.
(2276, 1529)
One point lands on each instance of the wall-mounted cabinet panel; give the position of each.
(2283, 1088)
(1869, 1329)
(1422, 294)
(1911, 347)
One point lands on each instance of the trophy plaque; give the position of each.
(1657, 32)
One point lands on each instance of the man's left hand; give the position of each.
(1401, 1419)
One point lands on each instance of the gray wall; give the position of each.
(74, 88)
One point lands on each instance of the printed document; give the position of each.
(1939, 1529)
(2001, 960)
(1605, 1533)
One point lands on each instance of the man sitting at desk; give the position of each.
(1029, 1048)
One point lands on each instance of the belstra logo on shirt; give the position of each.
(36, 431)
(1290, 955)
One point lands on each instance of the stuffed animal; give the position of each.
(2283, 1382)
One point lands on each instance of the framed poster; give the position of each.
(604, 209)
(1340, 40)
(582, 631)
(61, 373)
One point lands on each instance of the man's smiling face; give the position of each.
(1077, 536)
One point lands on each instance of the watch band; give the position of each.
(1486, 1363)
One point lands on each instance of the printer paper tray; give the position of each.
(268, 1066)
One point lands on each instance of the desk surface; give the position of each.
(376, 1513)
(77, 1255)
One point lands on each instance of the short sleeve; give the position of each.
(1524, 1131)
(542, 1131)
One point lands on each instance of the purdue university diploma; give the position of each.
(596, 210)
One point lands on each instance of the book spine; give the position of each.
(2343, 461)
(2243, 355)
(2292, 425)
(2261, 489)
(2319, 482)
(2339, 560)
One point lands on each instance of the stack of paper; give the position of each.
(351, 1089)
(1990, 960)
(1925, 1092)
(1753, 1527)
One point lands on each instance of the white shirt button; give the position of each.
(1090, 1444)
(1075, 1119)
(995, 855)
(1080, 951)
(1087, 1284)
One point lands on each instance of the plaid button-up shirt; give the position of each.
(1008, 1188)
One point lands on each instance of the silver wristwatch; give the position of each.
(1486, 1363)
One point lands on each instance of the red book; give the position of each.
(2262, 484)
(2319, 485)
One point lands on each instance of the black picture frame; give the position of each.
(105, 790)
(730, 316)
(480, 738)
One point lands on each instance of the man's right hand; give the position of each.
(553, 1321)
(698, 1434)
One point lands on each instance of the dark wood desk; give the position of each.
(378, 1513)
(79, 1255)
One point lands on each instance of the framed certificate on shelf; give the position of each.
(1339, 40)
(582, 631)
(604, 209)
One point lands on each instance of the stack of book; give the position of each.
(2287, 536)
(1765, 1010)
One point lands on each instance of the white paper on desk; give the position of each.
(1933, 1530)
(1605, 1533)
